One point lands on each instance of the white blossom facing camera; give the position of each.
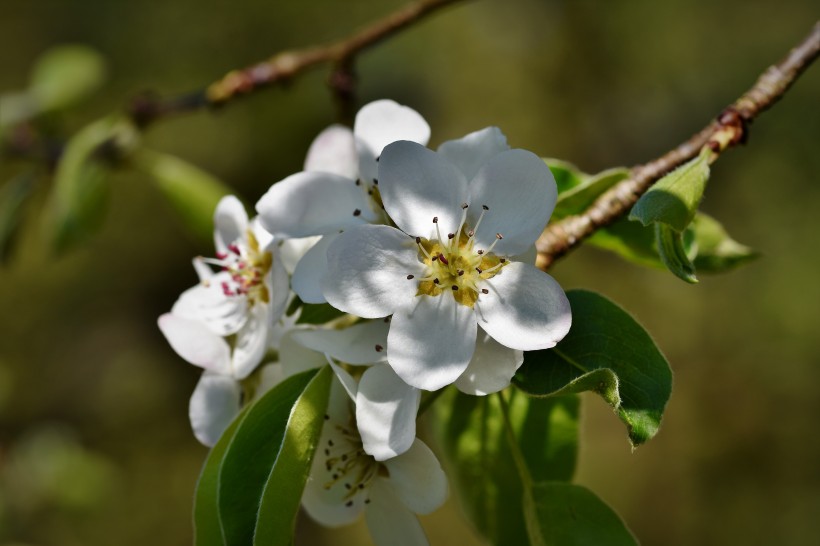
(345, 481)
(451, 264)
(339, 188)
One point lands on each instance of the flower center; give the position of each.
(248, 266)
(454, 264)
(346, 464)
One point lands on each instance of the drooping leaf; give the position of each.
(564, 514)
(65, 75)
(578, 198)
(81, 187)
(207, 525)
(674, 199)
(716, 250)
(608, 352)
(192, 192)
(470, 431)
(13, 195)
(631, 241)
(266, 446)
(566, 175)
(673, 253)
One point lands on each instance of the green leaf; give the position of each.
(207, 525)
(13, 196)
(318, 313)
(581, 196)
(629, 240)
(673, 253)
(272, 451)
(674, 199)
(564, 514)
(192, 192)
(608, 352)
(65, 75)
(470, 430)
(716, 250)
(78, 199)
(566, 175)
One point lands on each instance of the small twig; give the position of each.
(729, 129)
(284, 66)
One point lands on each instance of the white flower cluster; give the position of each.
(431, 255)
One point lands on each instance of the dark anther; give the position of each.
(443, 259)
(377, 159)
(455, 287)
(327, 416)
(464, 205)
(367, 501)
(409, 277)
(418, 240)
(357, 212)
(375, 182)
(485, 207)
(335, 476)
(479, 270)
(358, 182)
(499, 236)
(435, 281)
(349, 503)
(348, 486)
(451, 235)
(379, 348)
(485, 291)
(369, 192)
(330, 443)
(470, 233)
(361, 486)
(434, 258)
(502, 260)
(479, 252)
(460, 272)
(344, 457)
(435, 219)
(327, 452)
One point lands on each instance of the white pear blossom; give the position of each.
(451, 265)
(345, 480)
(242, 301)
(338, 188)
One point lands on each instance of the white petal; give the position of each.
(361, 343)
(520, 191)
(384, 121)
(207, 303)
(368, 269)
(470, 152)
(334, 151)
(417, 185)
(251, 342)
(417, 478)
(278, 288)
(386, 409)
(263, 236)
(525, 309)
(295, 358)
(346, 380)
(389, 522)
(230, 222)
(529, 256)
(431, 341)
(197, 344)
(213, 406)
(491, 368)
(203, 270)
(311, 269)
(313, 203)
(292, 250)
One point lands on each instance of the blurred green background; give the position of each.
(95, 446)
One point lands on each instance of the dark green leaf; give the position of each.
(608, 352)
(470, 430)
(716, 250)
(566, 175)
(283, 490)
(318, 313)
(581, 196)
(674, 199)
(66, 75)
(252, 457)
(12, 198)
(631, 241)
(207, 525)
(563, 514)
(192, 192)
(673, 253)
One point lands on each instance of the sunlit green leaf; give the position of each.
(631, 241)
(192, 192)
(470, 431)
(564, 514)
(275, 441)
(608, 352)
(674, 199)
(716, 250)
(578, 198)
(65, 75)
(566, 175)
(673, 253)
(13, 195)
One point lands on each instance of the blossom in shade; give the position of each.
(450, 272)
(339, 187)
